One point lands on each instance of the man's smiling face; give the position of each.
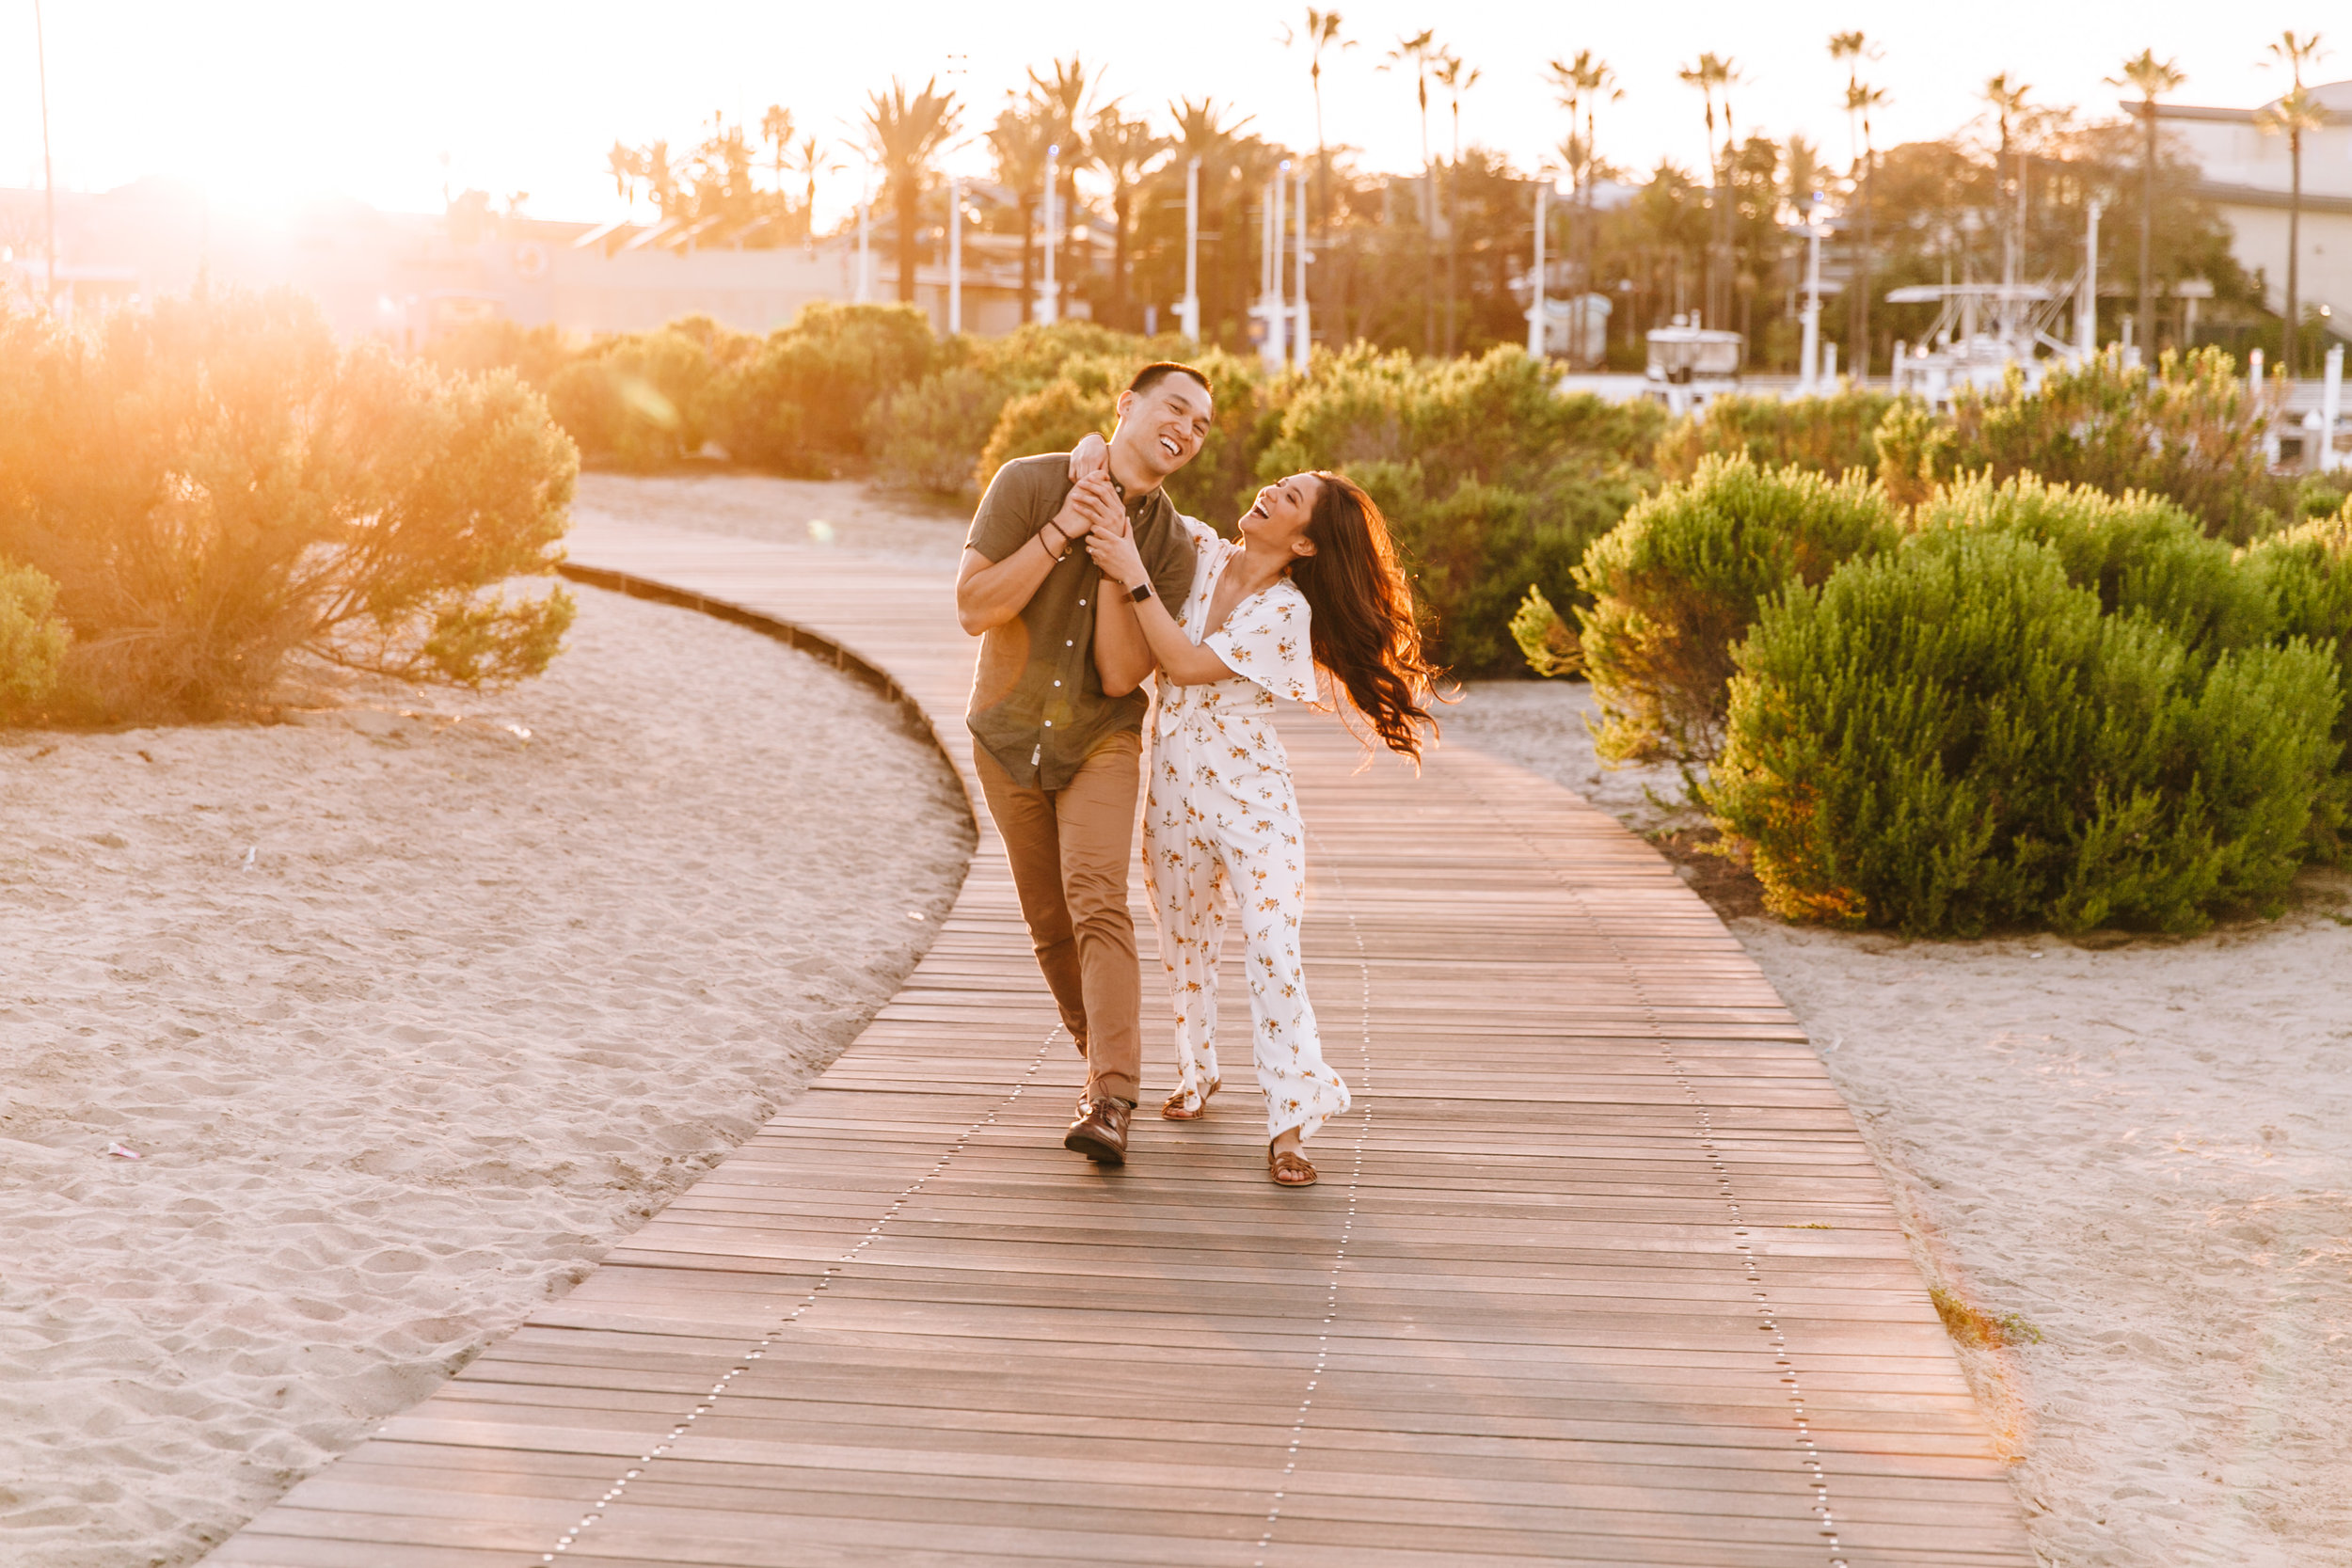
(1162, 426)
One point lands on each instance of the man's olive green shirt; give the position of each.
(1038, 704)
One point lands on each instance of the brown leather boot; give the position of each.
(1100, 1132)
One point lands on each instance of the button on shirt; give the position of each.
(1038, 704)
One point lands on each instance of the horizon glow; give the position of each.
(265, 104)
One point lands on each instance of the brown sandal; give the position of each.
(1174, 1108)
(1289, 1170)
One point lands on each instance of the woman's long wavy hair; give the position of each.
(1362, 618)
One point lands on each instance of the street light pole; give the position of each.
(1301, 343)
(1535, 344)
(1049, 308)
(1809, 365)
(955, 254)
(1189, 311)
(48, 177)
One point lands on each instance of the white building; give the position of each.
(2247, 177)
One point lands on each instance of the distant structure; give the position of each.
(2247, 176)
(407, 278)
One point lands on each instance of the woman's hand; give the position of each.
(1113, 547)
(1092, 456)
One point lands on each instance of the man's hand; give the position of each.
(1093, 503)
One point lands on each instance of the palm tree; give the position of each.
(1585, 81)
(1457, 79)
(1851, 50)
(2009, 108)
(2291, 117)
(2153, 78)
(1322, 32)
(905, 135)
(1713, 75)
(626, 166)
(1862, 100)
(1419, 50)
(1064, 102)
(775, 129)
(1018, 141)
(809, 160)
(1123, 150)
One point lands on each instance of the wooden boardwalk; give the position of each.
(1598, 1272)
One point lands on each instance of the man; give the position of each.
(1057, 716)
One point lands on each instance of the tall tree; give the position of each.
(1851, 50)
(1017, 142)
(906, 135)
(1711, 76)
(626, 165)
(2007, 102)
(1065, 100)
(2291, 117)
(2153, 78)
(1420, 51)
(1585, 82)
(810, 159)
(1321, 32)
(1456, 78)
(1124, 151)
(775, 129)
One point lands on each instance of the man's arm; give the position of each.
(1122, 658)
(990, 593)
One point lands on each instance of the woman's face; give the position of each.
(1278, 520)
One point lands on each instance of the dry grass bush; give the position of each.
(2191, 432)
(214, 485)
(1836, 434)
(1676, 586)
(1952, 736)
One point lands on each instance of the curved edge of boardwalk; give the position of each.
(1599, 1270)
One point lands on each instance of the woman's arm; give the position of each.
(1180, 659)
(1122, 659)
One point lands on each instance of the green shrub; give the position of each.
(637, 401)
(1058, 415)
(1835, 434)
(214, 485)
(1678, 583)
(802, 403)
(929, 436)
(2140, 555)
(1952, 736)
(2307, 574)
(1490, 479)
(2190, 434)
(33, 640)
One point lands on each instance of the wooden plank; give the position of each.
(1547, 1303)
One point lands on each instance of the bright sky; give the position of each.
(266, 100)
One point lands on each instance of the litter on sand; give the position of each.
(124, 1151)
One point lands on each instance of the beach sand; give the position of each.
(411, 1009)
(2140, 1149)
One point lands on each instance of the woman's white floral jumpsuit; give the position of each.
(1221, 813)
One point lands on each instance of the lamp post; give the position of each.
(1188, 309)
(1049, 305)
(2087, 308)
(955, 254)
(1535, 344)
(1809, 356)
(48, 177)
(1302, 342)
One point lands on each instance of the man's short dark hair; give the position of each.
(1160, 370)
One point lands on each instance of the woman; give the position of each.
(1313, 582)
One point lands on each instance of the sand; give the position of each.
(411, 1010)
(2140, 1149)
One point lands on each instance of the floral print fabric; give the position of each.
(1222, 818)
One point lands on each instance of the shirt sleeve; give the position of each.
(1015, 508)
(1265, 640)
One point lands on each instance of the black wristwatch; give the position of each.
(1141, 592)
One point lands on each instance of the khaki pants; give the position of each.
(1069, 849)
